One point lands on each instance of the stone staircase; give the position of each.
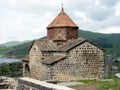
(6, 83)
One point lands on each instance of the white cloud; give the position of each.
(117, 9)
(110, 30)
(99, 13)
(109, 3)
(28, 19)
(81, 15)
(97, 2)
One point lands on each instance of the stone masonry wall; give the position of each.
(89, 61)
(32, 84)
(86, 61)
(65, 32)
(34, 62)
(37, 69)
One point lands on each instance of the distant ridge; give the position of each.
(2, 46)
(14, 43)
(110, 42)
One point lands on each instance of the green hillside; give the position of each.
(18, 50)
(110, 42)
(2, 46)
(14, 43)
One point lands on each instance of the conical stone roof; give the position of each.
(62, 20)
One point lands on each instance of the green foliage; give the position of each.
(103, 43)
(110, 85)
(11, 69)
(110, 76)
(4, 69)
(4, 50)
(116, 63)
(105, 86)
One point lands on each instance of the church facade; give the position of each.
(62, 55)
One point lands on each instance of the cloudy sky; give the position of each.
(27, 19)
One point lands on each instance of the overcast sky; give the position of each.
(27, 19)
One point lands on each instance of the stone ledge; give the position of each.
(30, 83)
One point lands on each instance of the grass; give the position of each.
(110, 85)
(75, 86)
(88, 81)
(113, 84)
(106, 85)
(88, 85)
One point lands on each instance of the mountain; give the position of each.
(110, 42)
(14, 43)
(18, 50)
(15, 50)
(2, 46)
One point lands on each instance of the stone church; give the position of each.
(62, 55)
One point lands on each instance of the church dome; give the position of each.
(62, 20)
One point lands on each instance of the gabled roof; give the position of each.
(62, 20)
(46, 45)
(71, 44)
(49, 45)
(53, 59)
